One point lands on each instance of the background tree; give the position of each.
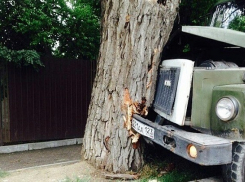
(20, 57)
(238, 24)
(192, 13)
(133, 36)
(50, 27)
(195, 12)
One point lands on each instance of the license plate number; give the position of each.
(143, 129)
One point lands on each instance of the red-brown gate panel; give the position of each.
(51, 103)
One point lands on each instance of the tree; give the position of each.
(50, 27)
(195, 12)
(80, 36)
(238, 24)
(20, 57)
(133, 36)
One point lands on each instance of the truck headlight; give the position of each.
(227, 108)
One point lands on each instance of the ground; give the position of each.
(49, 165)
(62, 164)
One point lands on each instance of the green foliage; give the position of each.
(81, 34)
(195, 12)
(95, 4)
(165, 166)
(155, 169)
(238, 24)
(187, 48)
(20, 57)
(152, 169)
(171, 177)
(3, 174)
(51, 27)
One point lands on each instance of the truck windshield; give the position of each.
(229, 15)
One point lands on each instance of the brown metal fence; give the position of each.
(48, 104)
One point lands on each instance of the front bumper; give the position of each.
(211, 150)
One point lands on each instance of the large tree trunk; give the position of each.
(133, 36)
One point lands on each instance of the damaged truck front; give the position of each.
(206, 95)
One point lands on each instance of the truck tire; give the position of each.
(235, 171)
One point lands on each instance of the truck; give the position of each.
(200, 102)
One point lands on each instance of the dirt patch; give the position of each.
(19, 160)
(49, 165)
(56, 173)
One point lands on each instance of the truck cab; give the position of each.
(200, 102)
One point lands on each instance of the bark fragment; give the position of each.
(122, 176)
(131, 108)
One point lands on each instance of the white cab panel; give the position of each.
(183, 89)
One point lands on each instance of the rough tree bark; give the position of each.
(134, 33)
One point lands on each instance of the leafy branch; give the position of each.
(238, 24)
(51, 27)
(20, 57)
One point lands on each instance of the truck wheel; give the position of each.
(235, 171)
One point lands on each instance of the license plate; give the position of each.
(143, 129)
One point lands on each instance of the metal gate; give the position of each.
(48, 104)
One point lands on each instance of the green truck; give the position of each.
(200, 104)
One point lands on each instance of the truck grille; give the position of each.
(166, 89)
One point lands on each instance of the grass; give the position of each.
(3, 174)
(157, 170)
(164, 166)
(173, 176)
